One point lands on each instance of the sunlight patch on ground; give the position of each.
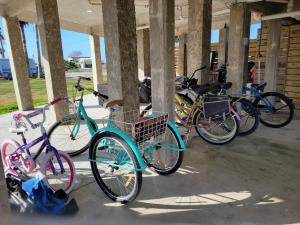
(272, 200)
(152, 211)
(201, 199)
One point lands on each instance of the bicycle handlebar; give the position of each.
(201, 68)
(38, 112)
(81, 88)
(188, 81)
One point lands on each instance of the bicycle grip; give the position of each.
(100, 95)
(56, 100)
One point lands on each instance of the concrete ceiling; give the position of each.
(86, 15)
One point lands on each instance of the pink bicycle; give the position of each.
(57, 167)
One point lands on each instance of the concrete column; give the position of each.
(238, 46)
(199, 29)
(53, 61)
(96, 61)
(162, 39)
(182, 52)
(223, 46)
(272, 54)
(143, 52)
(121, 51)
(18, 65)
(5, 211)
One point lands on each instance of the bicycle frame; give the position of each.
(256, 94)
(81, 113)
(129, 140)
(46, 144)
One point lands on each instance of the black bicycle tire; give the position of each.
(256, 116)
(101, 184)
(145, 110)
(210, 142)
(285, 99)
(77, 152)
(179, 160)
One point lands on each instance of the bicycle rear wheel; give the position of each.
(115, 167)
(166, 157)
(276, 110)
(146, 111)
(217, 132)
(64, 136)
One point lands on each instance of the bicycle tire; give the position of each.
(73, 152)
(179, 158)
(45, 168)
(250, 109)
(93, 148)
(287, 100)
(145, 110)
(211, 140)
(4, 146)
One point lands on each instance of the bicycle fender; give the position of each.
(128, 140)
(178, 134)
(235, 114)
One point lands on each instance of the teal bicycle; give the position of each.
(125, 146)
(73, 134)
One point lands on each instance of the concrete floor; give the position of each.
(253, 180)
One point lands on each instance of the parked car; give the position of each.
(5, 70)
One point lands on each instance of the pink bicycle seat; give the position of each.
(17, 116)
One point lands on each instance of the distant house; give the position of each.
(81, 62)
(5, 70)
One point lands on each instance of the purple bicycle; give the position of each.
(57, 167)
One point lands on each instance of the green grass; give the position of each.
(73, 70)
(8, 101)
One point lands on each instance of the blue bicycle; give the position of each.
(276, 110)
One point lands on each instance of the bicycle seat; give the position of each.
(259, 87)
(226, 85)
(17, 130)
(111, 103)
(201, 88)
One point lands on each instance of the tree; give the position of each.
(37, 39)
(75, 54)
(22, 27)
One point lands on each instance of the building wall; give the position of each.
(288, 80)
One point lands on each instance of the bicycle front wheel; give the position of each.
(165, 157)
(249, 116)
(217, 132)
(276, 110)
(58, 177)
(71, 136)
(115, 167)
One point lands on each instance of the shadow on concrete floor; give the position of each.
(253, 180)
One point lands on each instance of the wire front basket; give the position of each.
(146, 131)
(72, 112)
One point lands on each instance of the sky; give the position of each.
(74, 41)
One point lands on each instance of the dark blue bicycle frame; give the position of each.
(257, 94)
